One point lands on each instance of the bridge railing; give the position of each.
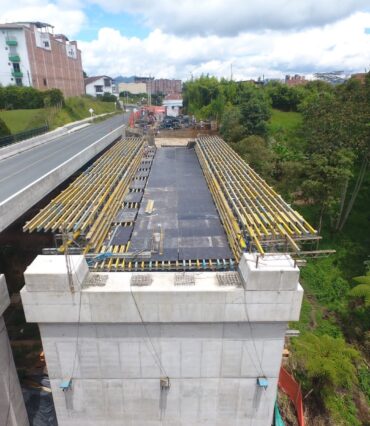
(17, 137)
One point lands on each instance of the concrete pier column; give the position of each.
(163, 348)
(12, 408)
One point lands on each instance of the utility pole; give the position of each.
(149, 89)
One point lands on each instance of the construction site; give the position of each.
(166, 296)
(198, 206)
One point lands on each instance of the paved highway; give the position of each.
(22, 169)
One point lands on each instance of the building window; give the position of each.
(107, 82)
(45, 82)
(99, 89)
(18, 82)
(16, 67)
(46, 44)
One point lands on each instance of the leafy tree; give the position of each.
(327, 361)
(231, 128)
(356, 97)
(53, 97)
(256, 152)
(255, 110)
(284, 97)
(362, 289)
(330, 151)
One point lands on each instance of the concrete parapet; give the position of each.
(12, 408)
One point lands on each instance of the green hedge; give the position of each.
(14, 97)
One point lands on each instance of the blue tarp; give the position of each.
(278, 421)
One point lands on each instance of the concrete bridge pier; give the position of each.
(12, 408)
(163, 348)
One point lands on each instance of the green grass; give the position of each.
(286, 120)
(75, 108)
(23, 119)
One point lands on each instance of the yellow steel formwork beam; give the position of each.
(89, 204)
(254, 205)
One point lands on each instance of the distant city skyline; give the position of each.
(166, 40)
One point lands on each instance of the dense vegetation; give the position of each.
(313, 143)
(141, 98)
(14, 97)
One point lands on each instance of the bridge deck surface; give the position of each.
(184, 217)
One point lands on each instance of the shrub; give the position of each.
(4, 130)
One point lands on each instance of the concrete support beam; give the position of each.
(12, 408)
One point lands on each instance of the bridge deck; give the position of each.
(184, 219)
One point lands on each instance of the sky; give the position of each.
(186, 38)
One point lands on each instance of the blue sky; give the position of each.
(128, 24)
(167, 38)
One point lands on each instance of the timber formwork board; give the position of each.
(85, 210)
(255, 217)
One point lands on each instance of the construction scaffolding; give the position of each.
(82, 214)
(139, 209)
(255, 217)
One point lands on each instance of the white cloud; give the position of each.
(342, 45)
(232, 17)
(65, 15)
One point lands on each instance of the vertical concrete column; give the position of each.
(12, 408)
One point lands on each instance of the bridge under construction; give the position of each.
(171, 295)
(194, 207)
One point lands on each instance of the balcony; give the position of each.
(17, 74)
(12, 42)
(14, 58)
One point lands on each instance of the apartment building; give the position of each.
(32, 55)
(165, 86)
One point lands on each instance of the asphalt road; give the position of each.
(22, 169)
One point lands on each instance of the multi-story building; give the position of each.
(295, 80)
(98, 85)
(133, 88)
(164, 86)
(31, 55)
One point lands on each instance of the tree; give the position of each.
(284, 97)
(255, 110)
(327, 361)
(362, 289)
(257, 153)
(357, 97)
(330, 151)
(231, 128)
